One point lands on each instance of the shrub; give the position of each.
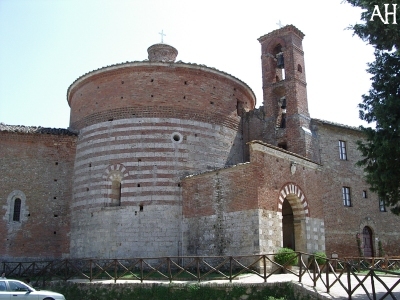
(320, 257)
(286, 256)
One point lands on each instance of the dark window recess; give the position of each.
(283, 145)
(55, 216)
(138, 185)
(365, 195)
(141, 208)
(17, 210)
(56, 163)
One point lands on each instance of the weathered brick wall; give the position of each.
(38, 169)
(344, 223)
(238, 210)
(149, 89)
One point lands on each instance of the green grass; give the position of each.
(71, 291)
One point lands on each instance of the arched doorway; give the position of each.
(288, 226)
(293, 206)
(367, 242)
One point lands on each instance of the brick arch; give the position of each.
(296, 198)
(273, 43)
(116, 172)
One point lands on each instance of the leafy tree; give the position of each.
(381, 149)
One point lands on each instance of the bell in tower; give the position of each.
(279, 61)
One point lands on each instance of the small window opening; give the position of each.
(299, 68)
(111, 119)
(176, 137)
(138, 185)
(365, 195)
(55, 179)
(282, 145)
(346, 196)
(116, 193)
(54, 198)
(382, 207)
(56, 163)
(17, 210)
(139, 159)
(342, 150)
(141, 208)
(55, 216)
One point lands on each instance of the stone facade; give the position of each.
(165, 158)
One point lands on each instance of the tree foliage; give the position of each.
(375, 32)
(381, 148)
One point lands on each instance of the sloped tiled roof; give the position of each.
(34, 129)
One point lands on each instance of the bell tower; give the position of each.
(284, 91)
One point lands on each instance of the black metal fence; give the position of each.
(350, 273)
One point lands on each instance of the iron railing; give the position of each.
(350, 273)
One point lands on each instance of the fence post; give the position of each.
(198, 268)
(115, 271)
(169, 269)
(327, 269)
(315, 271)
(91, 270)
(301, 266)
(141, 270)
(265, 267)
(372, 274)
(348, 265)
(230, 269)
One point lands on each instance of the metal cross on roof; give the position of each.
(162, 35)
(279, 24)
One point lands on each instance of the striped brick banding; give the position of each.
(296, 198)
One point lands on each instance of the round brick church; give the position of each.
(166, 158)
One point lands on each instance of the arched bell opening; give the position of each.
(280, 62)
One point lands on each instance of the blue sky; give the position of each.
(46, 44)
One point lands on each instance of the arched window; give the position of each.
(17, 210)
(116, 193)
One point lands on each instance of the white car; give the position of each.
(14, 289)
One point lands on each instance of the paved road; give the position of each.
(336, 292)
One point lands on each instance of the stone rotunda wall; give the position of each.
(142, 127)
